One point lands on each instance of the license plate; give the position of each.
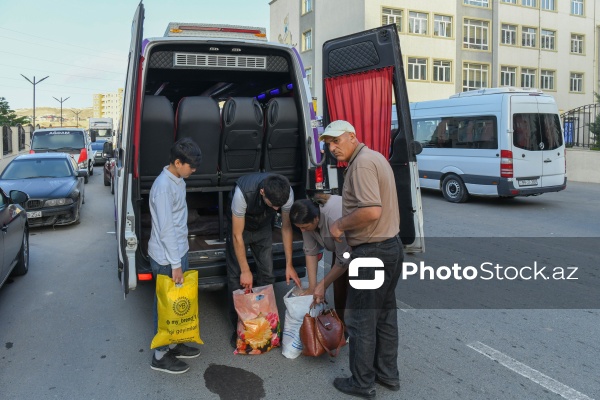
(528, 182)
(34, 214)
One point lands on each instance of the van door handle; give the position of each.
(547, 160)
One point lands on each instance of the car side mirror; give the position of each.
(416, 147)
(107, 150)
(18, 197)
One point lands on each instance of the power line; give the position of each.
(58, 73)
(54, 84)
(56, 62)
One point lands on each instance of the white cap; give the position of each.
(337, 128)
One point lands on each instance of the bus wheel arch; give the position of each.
(454, 189)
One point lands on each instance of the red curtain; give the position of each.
(364, 100)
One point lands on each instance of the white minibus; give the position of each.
(504, 142)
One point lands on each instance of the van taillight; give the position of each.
(506, 164)
(82, 156)
(319, 175)
(31, 151)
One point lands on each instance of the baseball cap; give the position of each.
(337, 128)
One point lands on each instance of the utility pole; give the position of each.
(77, 114)
(61, 101)
(33, 83)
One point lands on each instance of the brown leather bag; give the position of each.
(323, 333)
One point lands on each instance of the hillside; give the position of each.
(50, 117)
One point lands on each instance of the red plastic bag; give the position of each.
(258, 326)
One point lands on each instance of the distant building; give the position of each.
(461, 45)
(108, 105)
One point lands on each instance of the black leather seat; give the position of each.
(157, 135)
(241, 139)
(198, 117)
(282, 139)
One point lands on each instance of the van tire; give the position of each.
(454, 189)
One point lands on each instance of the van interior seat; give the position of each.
(157, 135)
(282, 139)
(241, 138)
(198, 117)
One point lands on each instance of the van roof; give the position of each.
(500, 90)
(216, 31)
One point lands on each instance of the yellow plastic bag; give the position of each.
(177, 307)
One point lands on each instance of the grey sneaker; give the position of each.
(169, 364)
(184, 351)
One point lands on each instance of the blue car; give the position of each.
(54, 184)
(14, 239)
(98, 146)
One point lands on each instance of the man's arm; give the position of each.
(237, 231)
(287, 236)
(357, 219)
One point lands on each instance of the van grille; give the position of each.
(218, 60)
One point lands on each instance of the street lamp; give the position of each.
(77, 114)
(61, 101)
(33, 83)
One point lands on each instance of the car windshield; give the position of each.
(40, 168)
(102, 133)
(56, 140)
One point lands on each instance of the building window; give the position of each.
(510, 1)
(576, 84)
(417, 23)
(475, 34)
(309, 79)
(548, 39)
(527, 77)
(509, 34)
(547, 80)
(529, 3)
(417, 69)
(480, 3)
(475, 76)
(391, 16)
(442, 26)
(307, 6)
(549, 5)
(576, 43)
(442, 71)
(307, 41)
(508, 76)
(577, 7)
(528, 37)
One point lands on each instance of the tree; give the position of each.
(595, 126)
(8, 116)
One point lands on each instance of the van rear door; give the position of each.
(553, 153)
(527, 157)
(366, 52)
(126, 239)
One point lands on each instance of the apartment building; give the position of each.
(452, 46)
(108, 105)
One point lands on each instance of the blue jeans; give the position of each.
(158, 269)
(371, 317)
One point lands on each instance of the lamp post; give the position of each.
(33, 83)
(61, 101)
(77, 114)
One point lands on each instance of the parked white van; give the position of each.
(503, 142)
(247, 104)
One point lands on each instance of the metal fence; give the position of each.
(576, 126)
(21, 137)
(6, 140)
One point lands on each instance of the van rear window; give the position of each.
(537, 132)
(54, 140)
(468, 132)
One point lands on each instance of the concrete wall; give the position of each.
(583, 165)
(6, 158)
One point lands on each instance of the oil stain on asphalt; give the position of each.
(232, 383)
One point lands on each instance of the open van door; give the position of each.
(126, 240)
(374, 58)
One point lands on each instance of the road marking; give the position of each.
(529, 373)
(403, 306)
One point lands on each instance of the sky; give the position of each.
(82, 45)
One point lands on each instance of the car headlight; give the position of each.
(58, 202)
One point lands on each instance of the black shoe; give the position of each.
(345, 385)
(183, 351)
(170, 364)
(394, 387)
(233, 340)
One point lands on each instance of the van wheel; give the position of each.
(454, 189)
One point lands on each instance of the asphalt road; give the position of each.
(67, 333)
